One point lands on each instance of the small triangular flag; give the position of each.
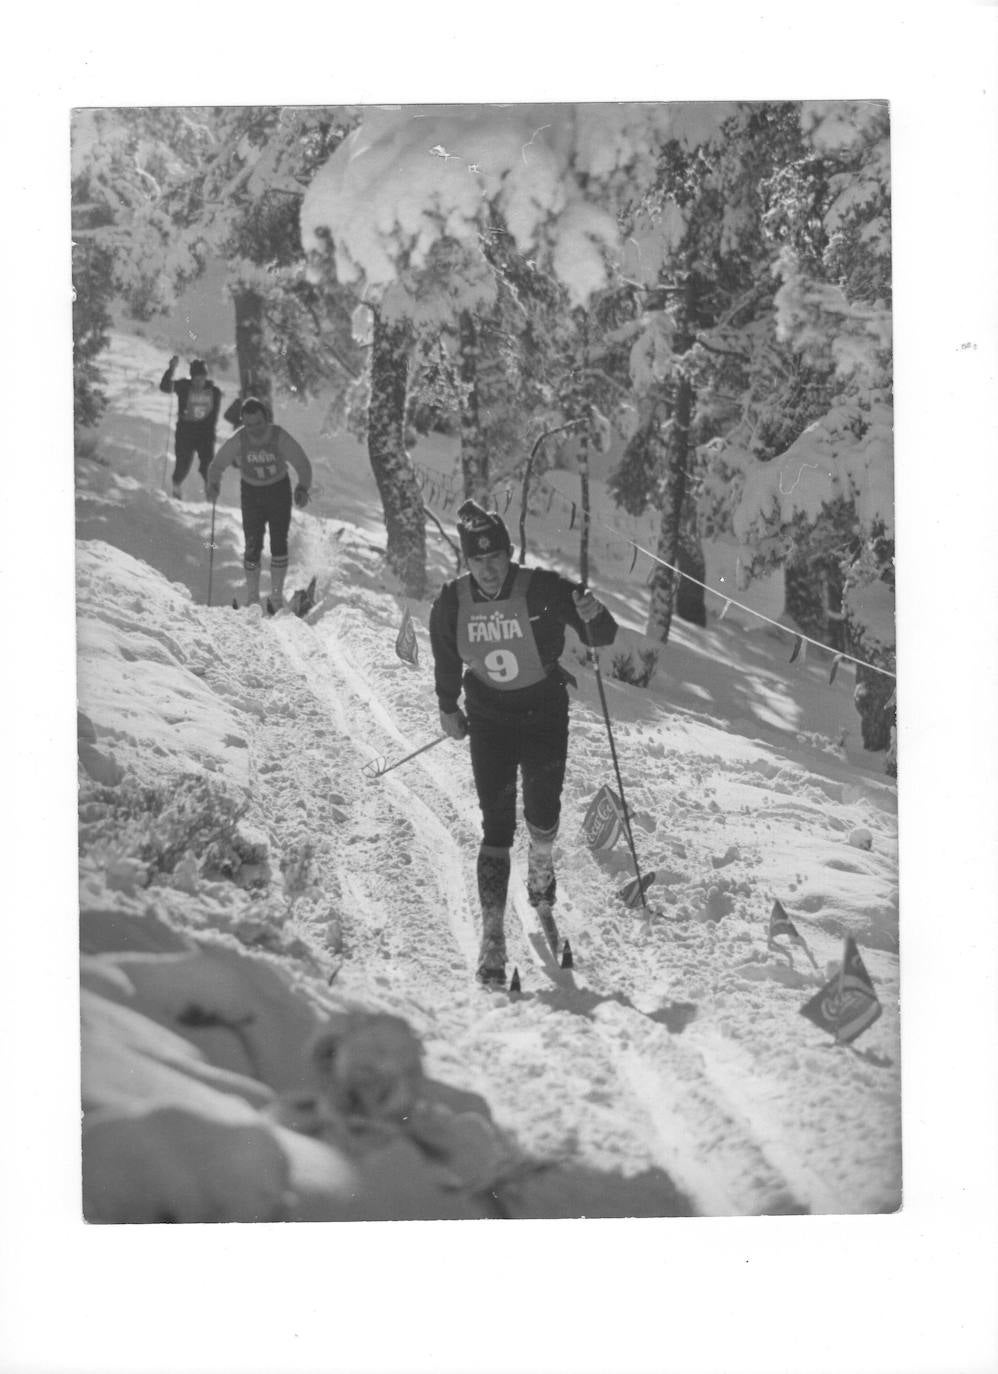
(514, 982)
(566, 956)
(406, 645)
(781, 924)
(633, 892)
(798, 644)
(848, 1003)
(835, 668)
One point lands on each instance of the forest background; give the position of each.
(940, 80)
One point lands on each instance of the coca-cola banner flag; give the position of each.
(603, 823)
(847, 1004)
(405, 644)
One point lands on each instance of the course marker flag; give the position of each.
(631, 893)
(602, 826)
(406, 645)
(781, 924)
(847, 1004)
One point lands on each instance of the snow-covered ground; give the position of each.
(671, 1074)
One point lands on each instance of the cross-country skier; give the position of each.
(497, 633)
(263, 452)
(198, 402)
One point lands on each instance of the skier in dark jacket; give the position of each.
(497, 633)
(198, 402)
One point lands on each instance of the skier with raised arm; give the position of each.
(198, 402)
(497, 633)
(263, 452)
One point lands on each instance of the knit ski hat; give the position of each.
(197, 366)
(481, 531)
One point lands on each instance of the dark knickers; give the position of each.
(188, 442)
(263, 507)
(535, 743)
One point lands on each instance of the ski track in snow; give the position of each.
(676, 1108)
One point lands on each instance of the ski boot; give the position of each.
(491, 971)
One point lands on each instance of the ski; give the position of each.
(555, 953)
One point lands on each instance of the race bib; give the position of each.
(495, 638)
(198, 405)
(261, 463)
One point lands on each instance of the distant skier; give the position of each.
(263, 452)
(498, 632)
(198, 402)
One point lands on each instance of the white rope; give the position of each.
(730, 600)
(838, 654)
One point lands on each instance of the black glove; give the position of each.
(301, 497)
(454, 723)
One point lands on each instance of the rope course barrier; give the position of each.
(545, 488)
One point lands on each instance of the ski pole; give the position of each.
(211, 548)
(594, 660)
(169, 430)
(378, 767)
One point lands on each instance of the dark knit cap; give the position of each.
(198, 366)
(481, 531)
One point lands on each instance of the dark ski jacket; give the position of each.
(182, 387)
(551, 609)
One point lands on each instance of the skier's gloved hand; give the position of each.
(173, 362)
(454, 723)
(586, 605)
(301, 497)
(211, 490)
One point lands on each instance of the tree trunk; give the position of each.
(474, 450)
(254, 379)
(584, 522)
(664, 581)
(405, 519)
(691, 599)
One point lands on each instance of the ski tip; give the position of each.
(566, 956)
(514, 982)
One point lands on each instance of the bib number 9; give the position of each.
(501, 665)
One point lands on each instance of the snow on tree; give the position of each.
(122, 164)
(410, 178)
(830, 215)
(405, 209)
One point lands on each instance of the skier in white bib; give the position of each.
(497, 633)
(263, 452)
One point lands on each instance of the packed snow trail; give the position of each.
(604, 1039)
(675, 1046)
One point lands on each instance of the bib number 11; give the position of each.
(501, 665)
